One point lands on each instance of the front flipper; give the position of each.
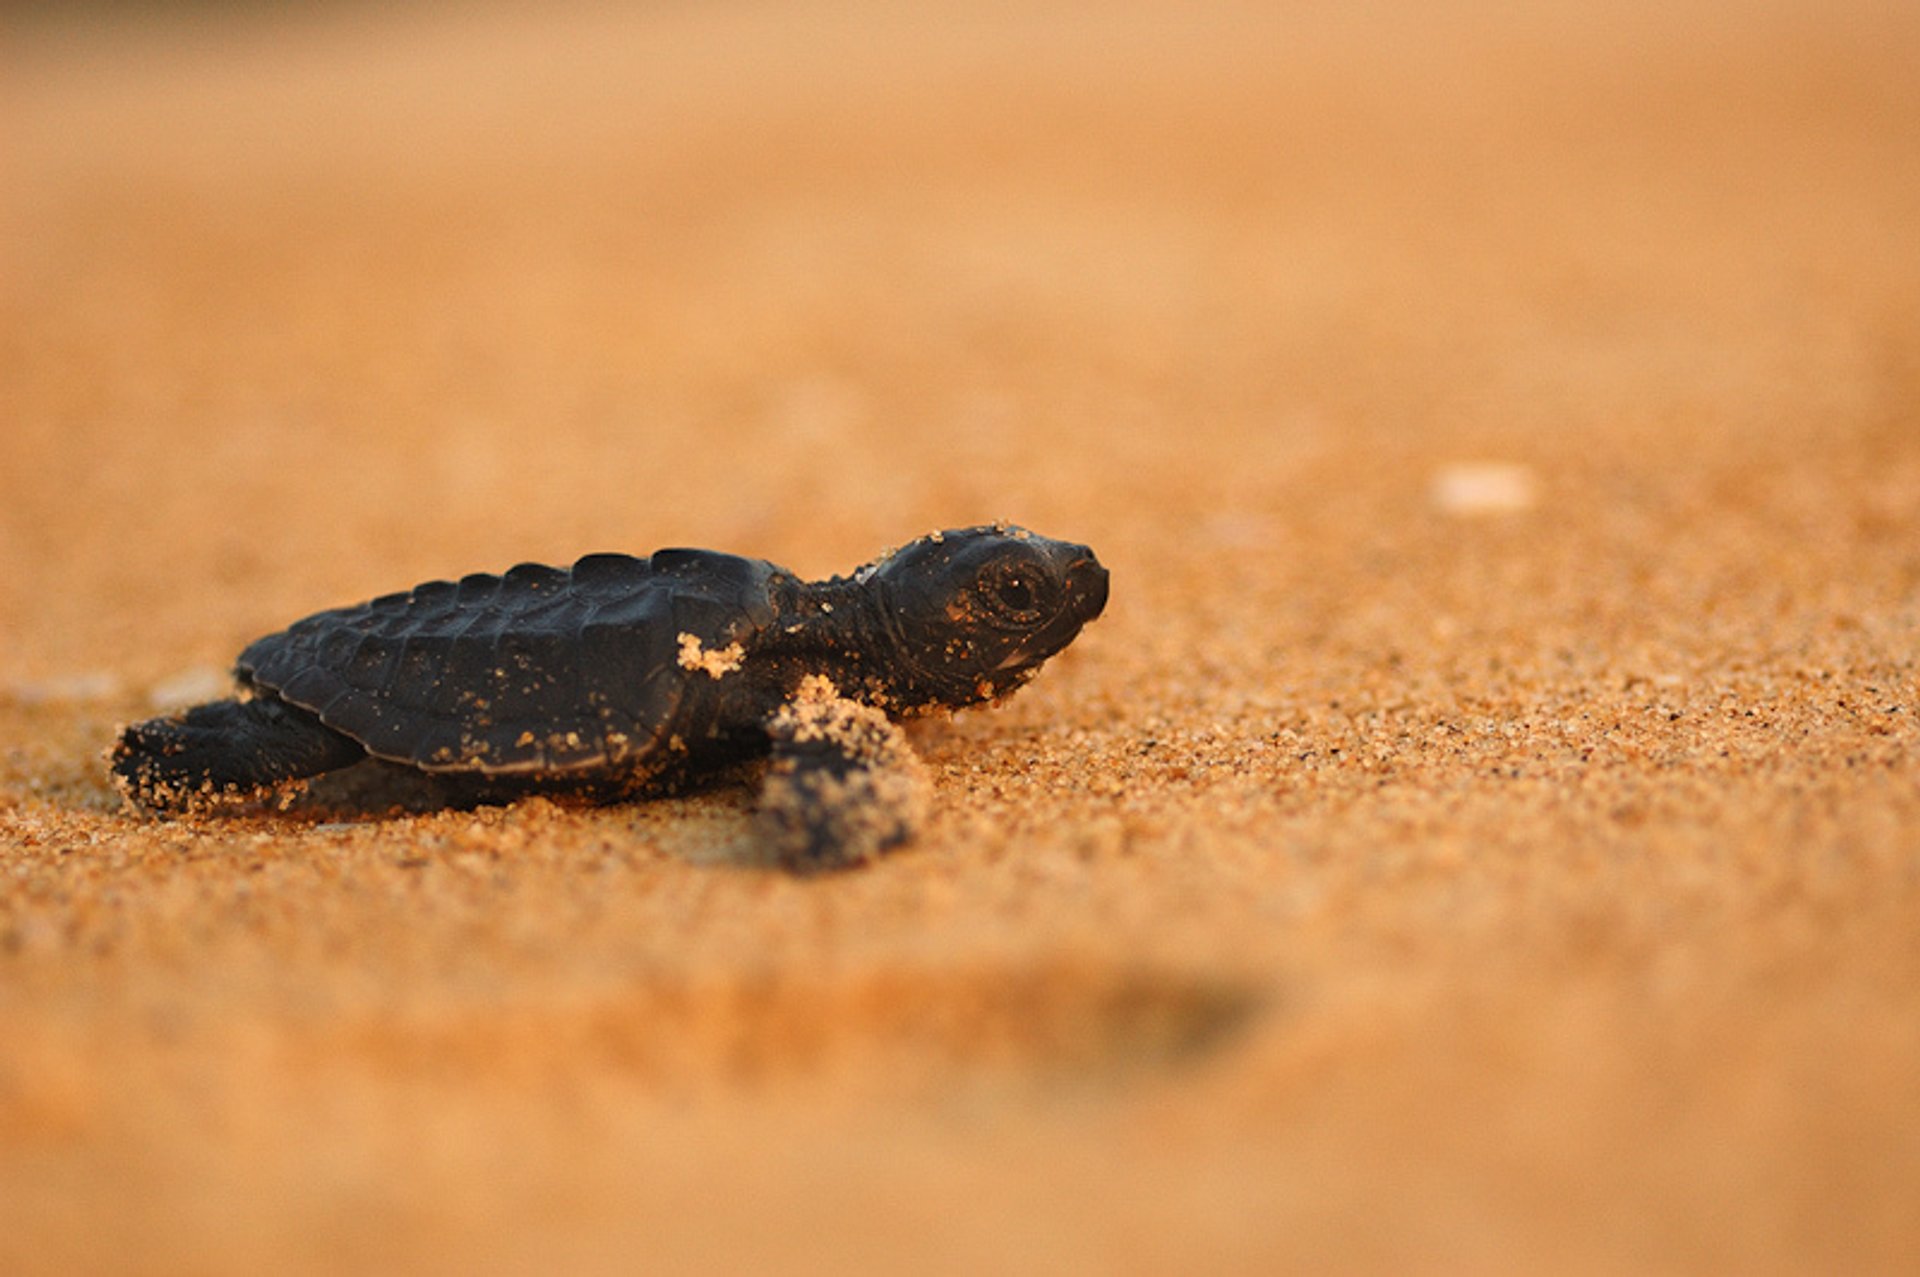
(843, 785)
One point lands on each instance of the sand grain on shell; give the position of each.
(716, 663)
(1495, 869)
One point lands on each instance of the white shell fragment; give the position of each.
(1480, 488)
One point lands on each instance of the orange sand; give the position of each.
(1483, 834)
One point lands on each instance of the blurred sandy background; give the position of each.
(1483, 835)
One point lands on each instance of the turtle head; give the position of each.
(976, 611)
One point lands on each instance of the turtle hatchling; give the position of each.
(623, 677)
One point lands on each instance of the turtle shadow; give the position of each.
(375, 789)
(706, 820)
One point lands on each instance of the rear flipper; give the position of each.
(843, 786)
(223, 751)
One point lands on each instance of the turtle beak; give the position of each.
(1086, 587)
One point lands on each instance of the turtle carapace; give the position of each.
(619, 676)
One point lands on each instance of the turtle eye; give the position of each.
(1014, 589)
(1016, 593)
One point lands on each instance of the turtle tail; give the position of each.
(223, 751)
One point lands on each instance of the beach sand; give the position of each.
(1482, 835)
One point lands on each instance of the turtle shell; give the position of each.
(539, 669)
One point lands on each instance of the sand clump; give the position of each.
(869, 798)
(715, 664)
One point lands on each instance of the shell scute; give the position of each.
(602, 571)
(373, 664)
(525, 577)
(435, 596)
(476, 587)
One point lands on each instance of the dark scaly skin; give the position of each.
(618, 675)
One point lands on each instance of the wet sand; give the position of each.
(1482, 835)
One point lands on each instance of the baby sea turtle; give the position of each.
(620, 677)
